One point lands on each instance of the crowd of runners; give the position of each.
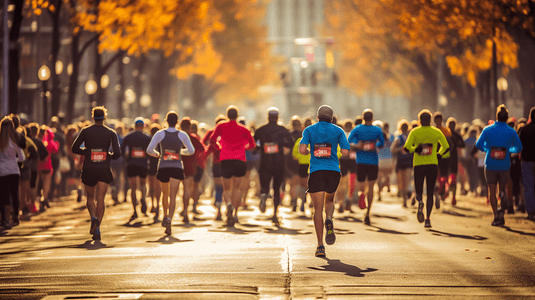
(318, 163)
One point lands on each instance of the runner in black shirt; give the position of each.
(137, 163)
(274, 142)
(96, 172)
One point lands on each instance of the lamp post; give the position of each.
(44, 75)
(502, 85)
(91, 89)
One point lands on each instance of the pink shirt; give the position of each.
(235, 139)
(52, 147)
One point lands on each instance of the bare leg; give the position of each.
(174, 184)
(370, 196)
(188, 184)
(165, 198)
(90, 200)
(101, 190)
(318, 199)
(236, 192)
(133, 193)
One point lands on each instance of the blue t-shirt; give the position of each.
(369, 134)
(498, 141)
(324, 139)
(469, 143)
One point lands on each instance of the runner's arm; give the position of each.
(75, 148)
(480, 144)
(115, 145)
(344, 144)
(303, 144)
(190, 150)
(517, 145)
(444, 146)
(123, 145)
(381, 142)
(249, 137)
(409, 143)
(156, 139)
(396, 146)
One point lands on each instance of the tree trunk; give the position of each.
(14, 58)
(526, 70)
(138, 85)
(56, 92)
(120, 95)
(160, 84)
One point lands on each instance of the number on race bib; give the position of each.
(171, 155)
(498, 153)
(98, 155)
(322, 150)
(427, 149)
(368, 146)
(271, 148)
(138, 153)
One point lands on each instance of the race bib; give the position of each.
(498, 153)
(171, 155)
(138, 153)
(427, 149)
(353, 155)
(98, 155)
(322, 150)
(368, 146)
(271, 148)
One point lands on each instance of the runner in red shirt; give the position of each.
(216, 165)
(235, 139)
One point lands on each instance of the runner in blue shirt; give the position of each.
(498, 141)
(324, 139)
(366, 138)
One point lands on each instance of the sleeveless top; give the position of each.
(170, 147)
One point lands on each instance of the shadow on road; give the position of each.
(402, 219)
(462, 236)
(232, 229)
(169, 239)
(457, 214)
(518, 231)
(93, 245)
(335, 265)
(390, 231)
(284, 230)
(349, 219)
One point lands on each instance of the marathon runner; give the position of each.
(191, 162)
(234, 139)
(444, 161)
(527, 137)
(347, 164)
(155, 190)
(424, 140)
(456, 144)
(170, 169)
(292, 164)
(403, 161)
(323, 140)
(96, 172)
(498, 141)
(274, 142)
(366, 138)
(304, 164)
(216, 165)
(137, 163)
(201, 164)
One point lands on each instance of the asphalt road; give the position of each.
(51, 255)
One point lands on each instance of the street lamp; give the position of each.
(91, 89)
(59, 67)
(104, 81)
(44, 75)
(503, 85)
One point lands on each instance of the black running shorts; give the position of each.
(444, 167)
(323, 181)
(24, 174)
(198, 174)
(33, 179)
(216, 170)
(303, 171)
(348, 165)
(91, 177)
(233, 168)
(165, 174)
(136, 171)
(368, 172)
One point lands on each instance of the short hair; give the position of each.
(220, 118)
(34, 129)
(154, 127)
(15, 119)
(194, 126)
(502, 114)
(403, 123)
(171, 118)
(185, 124)
(358, 120)
(425, 117)
(99, 113)
(367, 115)
(438, 114)
(232, 112)
(296, 122)
(450, 120)
(347, 123)
(307, 122)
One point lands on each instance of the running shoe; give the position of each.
(153, 209)
(362, 201)
(413, 201)
(427, 223)
(143, 207)
(133, 217)
(293, 203)
(275, 220)
(330, 237)
(236, 221)
(341, 208)
(5, 225)
(262, 205)
(230, 219)
(96, 235)
(168, 228)
(164, 222)
(348, 204)
(194, 210)
(367, 220)
(79, 197)
(453, 201)
(15, 222)
(303, 206)
(320, 251)
(94, 225)
(437, 201)
(25, 211)
(501, 220)
(420, 213)
(185, 219)
(218, 216)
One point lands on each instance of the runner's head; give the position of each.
(171, 118)
(367, 116)
(358, 120)
(220, 118)
(15, 119)
(502, 114)
(403, 126)
(7, 131)
(185, 124)
(348, 125)
(296, 122)
(194, 126)
(154, 128)
(273, 114)
(425, 117)
(241, 120)
(139, 123)
(232, 112)
(307, 122)
(99, 113)
(438, 118)
(452, 123)
(325, 113)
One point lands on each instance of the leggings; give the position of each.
(9, 189)
(265, 179)
(429, 173)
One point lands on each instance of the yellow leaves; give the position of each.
(52, 8)
(37, 11)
